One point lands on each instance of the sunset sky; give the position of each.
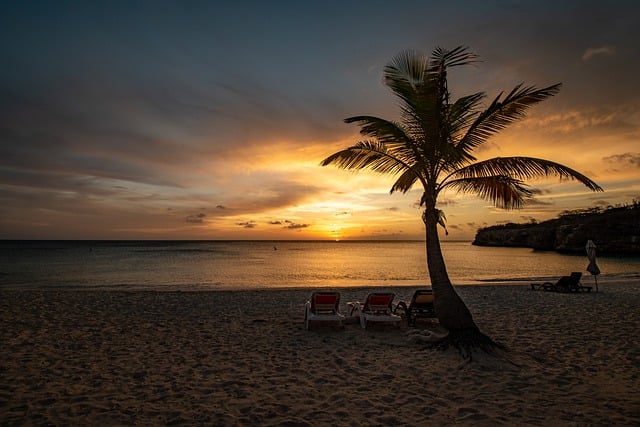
(208, 120)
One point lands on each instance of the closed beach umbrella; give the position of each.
(592, 267)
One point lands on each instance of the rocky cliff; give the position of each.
(615, 231)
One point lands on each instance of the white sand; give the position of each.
(244, 358)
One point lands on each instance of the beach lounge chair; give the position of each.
(565, 284)
(323, 306)
(420, 306)
(377, 308)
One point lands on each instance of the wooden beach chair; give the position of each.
(323, 306)
(565, 284)
(421, 306)
(377, 308)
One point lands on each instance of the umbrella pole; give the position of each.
(596, 277)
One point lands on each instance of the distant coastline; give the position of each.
(615, 231)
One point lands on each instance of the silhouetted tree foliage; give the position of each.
(432, 146)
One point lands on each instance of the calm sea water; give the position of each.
(263, 264)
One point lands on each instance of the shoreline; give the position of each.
(603, 280)
(242, 357)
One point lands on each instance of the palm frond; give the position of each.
(434, 140)
(461, 115)
(503, 112)
(407, 179)
(404, 73)
(408, 66)
(501, 190)
(393, 135)
(463, 112)
(383, 130)
(443, 58)
(367, 155)
(420, 83)
(525, 168)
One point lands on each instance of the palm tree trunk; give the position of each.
(452, 312)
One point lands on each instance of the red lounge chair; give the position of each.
(323, 306)
(376, 308)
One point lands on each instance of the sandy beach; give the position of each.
(96, 357)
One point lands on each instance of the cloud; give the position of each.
(604, 117)
(540, 191)
(196, 219)
(630, 159)
(221, 207)
(289, 225)
(447, 202)
(276, 189)
(537, 202)
(294, 226)
(247, 224)
(597, 51)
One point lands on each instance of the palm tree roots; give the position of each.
(469, 341)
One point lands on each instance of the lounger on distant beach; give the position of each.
(376, 308)
(323, 306)
(565, 284)
(420, 306)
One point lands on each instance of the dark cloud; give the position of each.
(626, 159)
(37, 139)
(247, 224)
(295, 226)
(275, 222)
(538, 202)
(540, 191)
(197, 218)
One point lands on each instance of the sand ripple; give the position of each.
(244, 358)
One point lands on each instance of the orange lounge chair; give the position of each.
(376, 308)
(420, 306)
(323, 306)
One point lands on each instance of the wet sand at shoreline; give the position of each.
(81, 357)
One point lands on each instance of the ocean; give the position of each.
(189, 265)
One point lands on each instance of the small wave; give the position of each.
(509, 279)
(189, 250)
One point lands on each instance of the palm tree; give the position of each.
(433, 145)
